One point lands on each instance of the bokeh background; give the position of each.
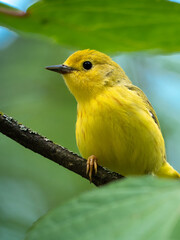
(30, 185)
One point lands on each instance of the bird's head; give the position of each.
(89, 72)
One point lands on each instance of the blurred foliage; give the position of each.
(105, 25)
(134, 208)
(30, 185)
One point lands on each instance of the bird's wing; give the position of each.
(140, 93)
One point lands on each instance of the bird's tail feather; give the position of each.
(167, 171)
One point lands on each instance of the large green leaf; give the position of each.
(116, 25)
(137, 208)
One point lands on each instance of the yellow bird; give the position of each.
(116, 124)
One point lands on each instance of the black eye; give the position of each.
(87, 65)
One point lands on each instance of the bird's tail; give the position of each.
(167, 171)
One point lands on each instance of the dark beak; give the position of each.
(60, 69)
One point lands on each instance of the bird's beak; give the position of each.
(60, 68)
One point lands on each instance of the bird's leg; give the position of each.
(91, 164)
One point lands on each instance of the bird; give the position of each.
(116, 125)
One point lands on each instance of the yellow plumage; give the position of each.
(115, 121)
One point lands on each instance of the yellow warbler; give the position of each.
(116, 124)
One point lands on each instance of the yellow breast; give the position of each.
(123, 136)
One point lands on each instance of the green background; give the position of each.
(30, 185)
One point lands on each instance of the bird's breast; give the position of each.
(123, 138)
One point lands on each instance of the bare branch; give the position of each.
(52, 151)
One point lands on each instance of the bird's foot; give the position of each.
(91, 164)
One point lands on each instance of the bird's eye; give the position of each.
(87, 65)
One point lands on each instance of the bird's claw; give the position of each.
(91, 164)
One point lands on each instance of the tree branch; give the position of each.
(45, 147)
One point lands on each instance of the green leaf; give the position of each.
(135, 208)
(125, 25)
